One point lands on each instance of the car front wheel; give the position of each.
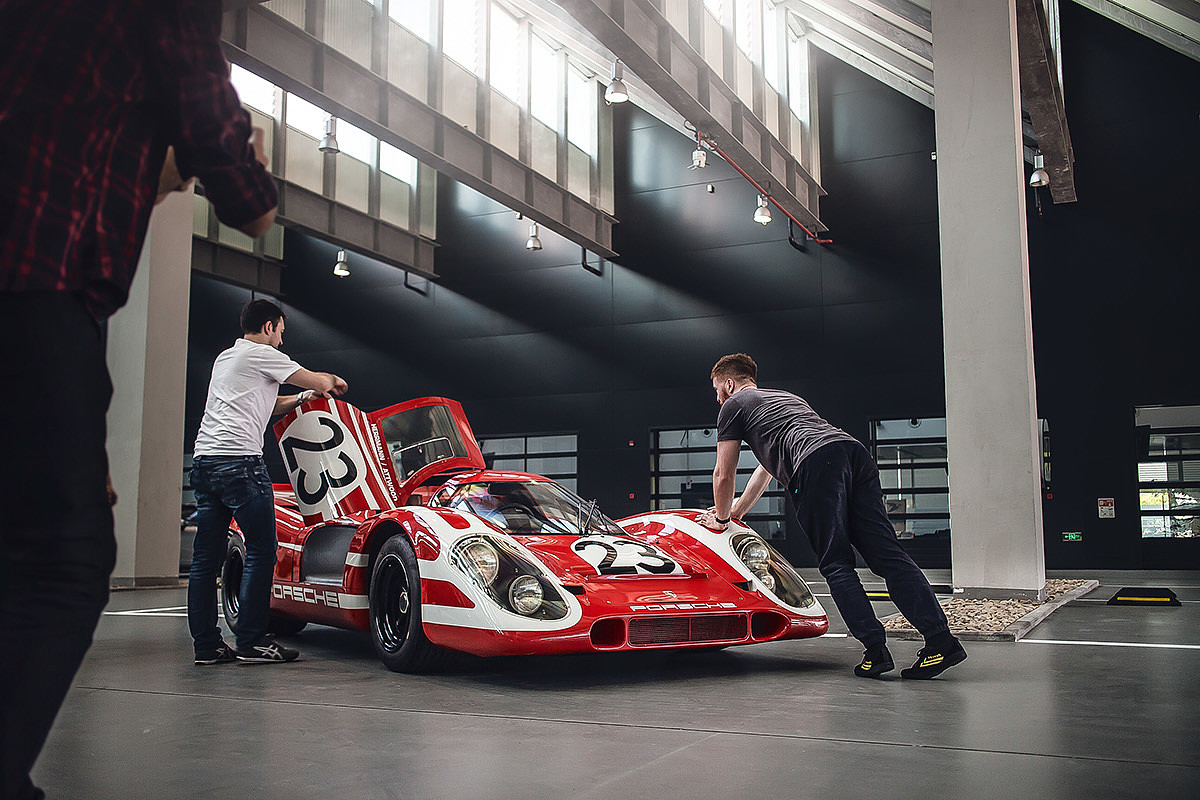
(395, 610)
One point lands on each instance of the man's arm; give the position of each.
(323, 383)
(724, 479)
(208, 127)
(751, 494)
(285, 403)
(314, 384)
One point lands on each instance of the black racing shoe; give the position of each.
(934, 660)
(222, 654)
(267, 651)
(875, 662)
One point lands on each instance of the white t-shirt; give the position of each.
(241, 395)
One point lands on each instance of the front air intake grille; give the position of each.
(650, 631)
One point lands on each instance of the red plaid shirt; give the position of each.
(91, 94)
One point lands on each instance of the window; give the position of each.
(797, 78)
(355, 142)
(745, 12)
(553, 455)
(771, 70)
(544, 96)
(253, 91)
(581, 111)
(506, 75)
(397, 163)
(681, 466)
(418, 437)
(305, 117)
(460, 21)
(1169, 471)
(413, 15)
(914, 472)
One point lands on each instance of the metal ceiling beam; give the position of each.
(637, 33)
(871, 24)
(1174, 23)
(902, 65)
(311, 212)
(918, 92)
(304, 65)
(1042, 98)
(905, 14)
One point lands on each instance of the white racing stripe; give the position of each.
(1155, 645)
(290, 546)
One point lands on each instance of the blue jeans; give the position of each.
(839, 503)
(231, 487)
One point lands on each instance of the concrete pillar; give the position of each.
(147, 358)
(991, 415)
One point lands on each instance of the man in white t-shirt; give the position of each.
(230, 482)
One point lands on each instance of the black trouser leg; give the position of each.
(822, 489)
(872, 534)
(56, 533)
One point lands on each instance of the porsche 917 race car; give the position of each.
(393, 524)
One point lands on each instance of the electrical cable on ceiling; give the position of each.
(701, 137)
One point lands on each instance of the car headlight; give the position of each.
(772, 571)
(756, 555)
(508, 576)
(482, 559)
(525, 594)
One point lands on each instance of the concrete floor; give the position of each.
(1053, 716)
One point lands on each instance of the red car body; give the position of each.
(393, 524)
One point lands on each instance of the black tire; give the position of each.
(231, 584)
(231, 579)
(395, 611)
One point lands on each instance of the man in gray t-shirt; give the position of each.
(838, 499)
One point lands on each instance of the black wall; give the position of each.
(533, 342)
(1116, 285)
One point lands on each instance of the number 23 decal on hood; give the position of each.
(612, 555)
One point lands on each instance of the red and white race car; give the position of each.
(393, 524)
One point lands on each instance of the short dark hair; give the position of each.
(258, 313)
(738, 366)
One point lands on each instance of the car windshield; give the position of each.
(531, 507)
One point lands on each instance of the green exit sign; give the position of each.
(1072, 536)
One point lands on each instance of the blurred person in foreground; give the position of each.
(92, 95)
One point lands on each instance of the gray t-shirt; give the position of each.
(781, 429)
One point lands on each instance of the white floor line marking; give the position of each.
(1157, 645)
(170, 611)
(833, 636)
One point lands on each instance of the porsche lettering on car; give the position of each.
(392, 524)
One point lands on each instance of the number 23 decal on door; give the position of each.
(611, 555)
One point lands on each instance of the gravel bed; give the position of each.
(987, 616)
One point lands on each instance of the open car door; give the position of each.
(341, 461)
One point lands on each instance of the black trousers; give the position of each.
(839, 503)
(57, 549)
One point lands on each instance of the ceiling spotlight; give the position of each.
(1039, 177)
(329, 140)
(616, 91)
(533, 242)
(340, 267)
(762, 214)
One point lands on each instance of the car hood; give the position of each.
(622, 560)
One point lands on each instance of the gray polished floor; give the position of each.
(1063, 714)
